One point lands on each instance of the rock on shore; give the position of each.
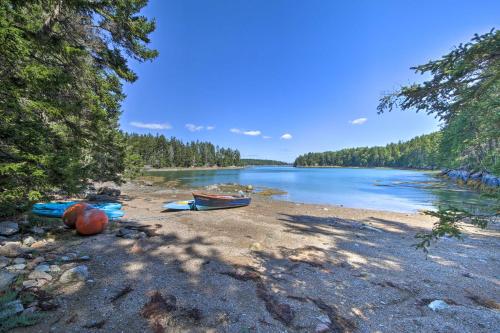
(475, 179)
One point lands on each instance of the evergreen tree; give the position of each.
(160, 152)
(61, 68)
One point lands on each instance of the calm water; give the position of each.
(381, 189)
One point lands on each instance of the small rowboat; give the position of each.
(205, 201)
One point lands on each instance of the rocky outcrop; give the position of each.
(481, 179)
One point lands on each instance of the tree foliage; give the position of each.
(449, 224)
(420, 152)
(464, 92)
(62, 64)
(160, 152)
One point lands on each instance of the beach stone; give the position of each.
(42, 268)
(30, 284)
(55, 268)
(130, 234)
(78, 273)
(11, 308)
(28, 241)
(322, 328)
(8, 228)
(84, 258)
(19, 261)
(69, 257)
(16, 267)
(6, 278)
(33, 263)
(37, 275)
(112, 192)
(324, 319)
(438, 305)
(4, 261)
(37, 230)
(11, 249)
(256, 246)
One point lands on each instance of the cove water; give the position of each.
(369, 188)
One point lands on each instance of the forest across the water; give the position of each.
(253, 161)
(421, 152)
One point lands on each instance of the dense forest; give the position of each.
(62, 66)
(420, 152)
(160, 152)
(253, 161)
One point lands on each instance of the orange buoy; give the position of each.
(91, 222)
(72, 212)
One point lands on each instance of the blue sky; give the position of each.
(276, 79)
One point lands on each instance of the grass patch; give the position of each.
(270, 192)
(11, 321)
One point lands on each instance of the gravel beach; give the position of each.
(274, 266)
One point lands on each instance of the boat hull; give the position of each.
(209, 202)
(180, 205)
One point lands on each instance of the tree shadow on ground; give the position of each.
(341, 275)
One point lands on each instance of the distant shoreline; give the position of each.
(193, 168)
(358, 167)
(298, 167)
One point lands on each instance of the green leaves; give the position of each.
(448, 225)
(61, 67)
(464, 92)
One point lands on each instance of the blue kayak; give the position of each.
(56, 209)
(64, 205)
(180, 205)
(112, 214)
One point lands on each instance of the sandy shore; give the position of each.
(275, 267)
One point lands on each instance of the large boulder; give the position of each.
(6, 278)
(8, 228)
(12, 249)
(490, 180)
(110, 191)
(10, 309)
(459, 175)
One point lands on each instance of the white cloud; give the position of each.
(359, 121)
(209, 128)
(153, 126)
(286, 136)
(266, 137)
(194, 128)
(252, 133)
